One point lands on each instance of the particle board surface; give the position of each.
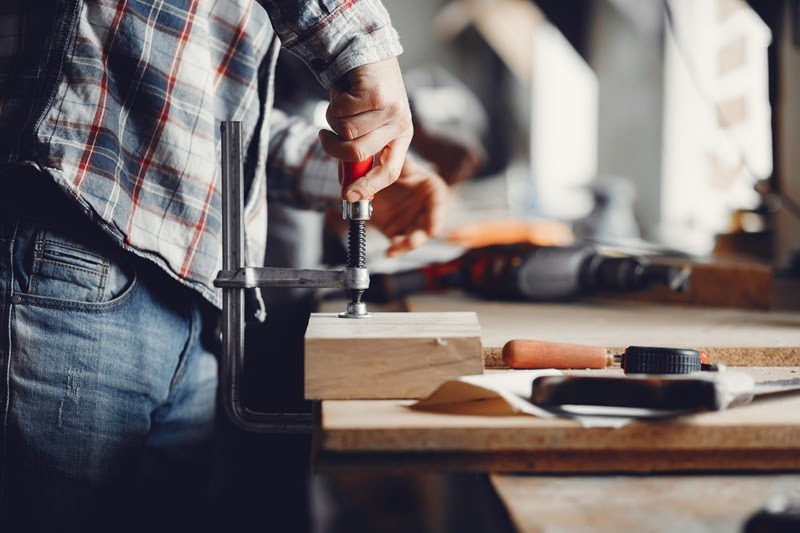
(725, 284)
(729, 336)
(624, 503)
(389, 355)
(764, 435)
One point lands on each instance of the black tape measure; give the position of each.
(657, 360)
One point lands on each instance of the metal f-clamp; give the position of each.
(235, 278)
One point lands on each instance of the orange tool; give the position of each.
(511, 231)
(545, 354)
(521, 353)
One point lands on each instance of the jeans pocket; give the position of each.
(81, 269)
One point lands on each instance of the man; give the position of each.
(110, 226)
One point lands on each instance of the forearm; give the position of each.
(299, 172)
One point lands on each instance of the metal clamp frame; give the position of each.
(256, 277)
(235, 278)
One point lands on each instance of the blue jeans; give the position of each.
(107, 383)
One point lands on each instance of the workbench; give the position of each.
(705, 472)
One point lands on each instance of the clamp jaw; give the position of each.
(235, 278)
(258, 277)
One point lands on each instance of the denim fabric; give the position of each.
(107, 390)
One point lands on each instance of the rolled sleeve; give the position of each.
(334, 36)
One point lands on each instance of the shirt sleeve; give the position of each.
(299, 172)
(334, 36)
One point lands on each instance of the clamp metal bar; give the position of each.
(252, 277)
(233, 248)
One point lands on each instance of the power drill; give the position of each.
(527, 272)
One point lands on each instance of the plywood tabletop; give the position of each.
(732, 337)
(386, 425)
(624, 503)
(764, 435)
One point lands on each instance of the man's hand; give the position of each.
(369, 114)
(411, 210)
(456, 157)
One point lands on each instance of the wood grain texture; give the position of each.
(389, 355)
(654, 504)
(729, 336)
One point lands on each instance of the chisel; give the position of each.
(526, 353)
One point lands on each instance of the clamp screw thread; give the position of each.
(357, 249)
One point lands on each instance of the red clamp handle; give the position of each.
(350, 171)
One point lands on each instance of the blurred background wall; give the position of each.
(686, 122)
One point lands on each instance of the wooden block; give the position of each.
(389, 355)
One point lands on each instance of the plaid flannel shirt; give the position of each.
(121, 101)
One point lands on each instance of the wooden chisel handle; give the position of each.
(521, 353)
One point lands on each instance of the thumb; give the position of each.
(386, 172)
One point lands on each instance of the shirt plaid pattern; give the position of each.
(120, 101)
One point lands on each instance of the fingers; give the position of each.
(410, 213)
(411, 205)
(352, 127)
(407, 219)
(369, 114)
(355, 138)
(392, 147)
(386, 171)
(405, 243)
(357, 150)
